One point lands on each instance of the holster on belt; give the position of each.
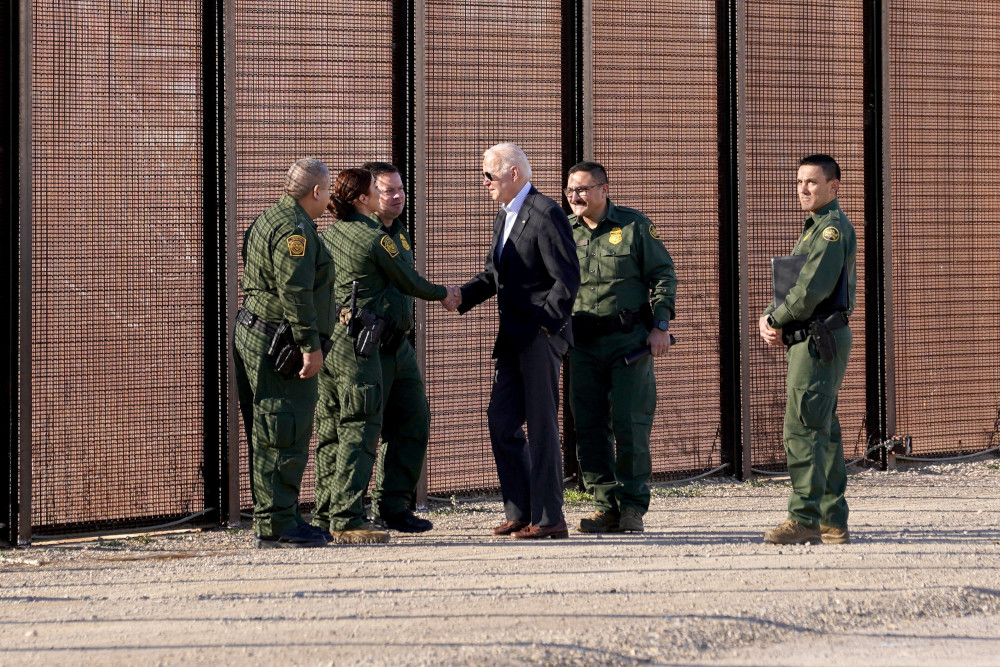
(627, 319)
(283, 352)
(821, 329)
(366, 328)
(284, 355)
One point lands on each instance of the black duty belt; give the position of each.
(796, 331)
(251, 321)
(591, 327)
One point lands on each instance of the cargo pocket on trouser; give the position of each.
(274, 423)
(361, 417)
(281, 448)
(633, 406)
(806, 434)
(360, 425)
(361, 401)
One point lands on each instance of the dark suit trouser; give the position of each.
(526, 389)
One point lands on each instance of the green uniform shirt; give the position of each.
(400, 305)
(623, 264)
(288, 274)
(829, 240)
(362, 251)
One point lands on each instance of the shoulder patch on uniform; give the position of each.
(652, 232)
(616, 236)
(297, 245)
(403, 242)
(831, 234)
(389, 246)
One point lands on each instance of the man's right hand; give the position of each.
(453, 300)
(311, 363)
(771, 336)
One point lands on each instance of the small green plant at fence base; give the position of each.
(993, 466)
(576, 498)
(677, 492)
(114, 544)
(765, 483)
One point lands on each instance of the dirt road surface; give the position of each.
(919, 584)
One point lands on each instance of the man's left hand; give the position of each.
(659, 342)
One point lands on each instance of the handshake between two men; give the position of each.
(453, 300)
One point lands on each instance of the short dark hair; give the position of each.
(595, 169)
(379, 168)
(829, 166)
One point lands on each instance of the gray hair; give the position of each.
(506, 155)
(304, 175)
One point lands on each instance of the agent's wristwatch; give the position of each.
(662, 325)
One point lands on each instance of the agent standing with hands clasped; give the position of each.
(817, 509)
(287, 275)
(626, 300)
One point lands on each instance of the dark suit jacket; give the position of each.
(535, 279)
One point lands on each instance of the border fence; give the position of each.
(151, 133)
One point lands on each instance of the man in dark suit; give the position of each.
(533, 270)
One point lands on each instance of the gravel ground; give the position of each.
(920, 583)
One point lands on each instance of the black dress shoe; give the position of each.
(406, 522)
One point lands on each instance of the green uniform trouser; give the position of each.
(812, 436)
(405, 430)
(613, 406)
(348, 423)
(278, 418)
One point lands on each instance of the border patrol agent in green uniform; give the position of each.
(626, 301)
(812, 322)
(287, 275)
(352, 389)
(407, 429)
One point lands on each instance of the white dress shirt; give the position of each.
(512, 209)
